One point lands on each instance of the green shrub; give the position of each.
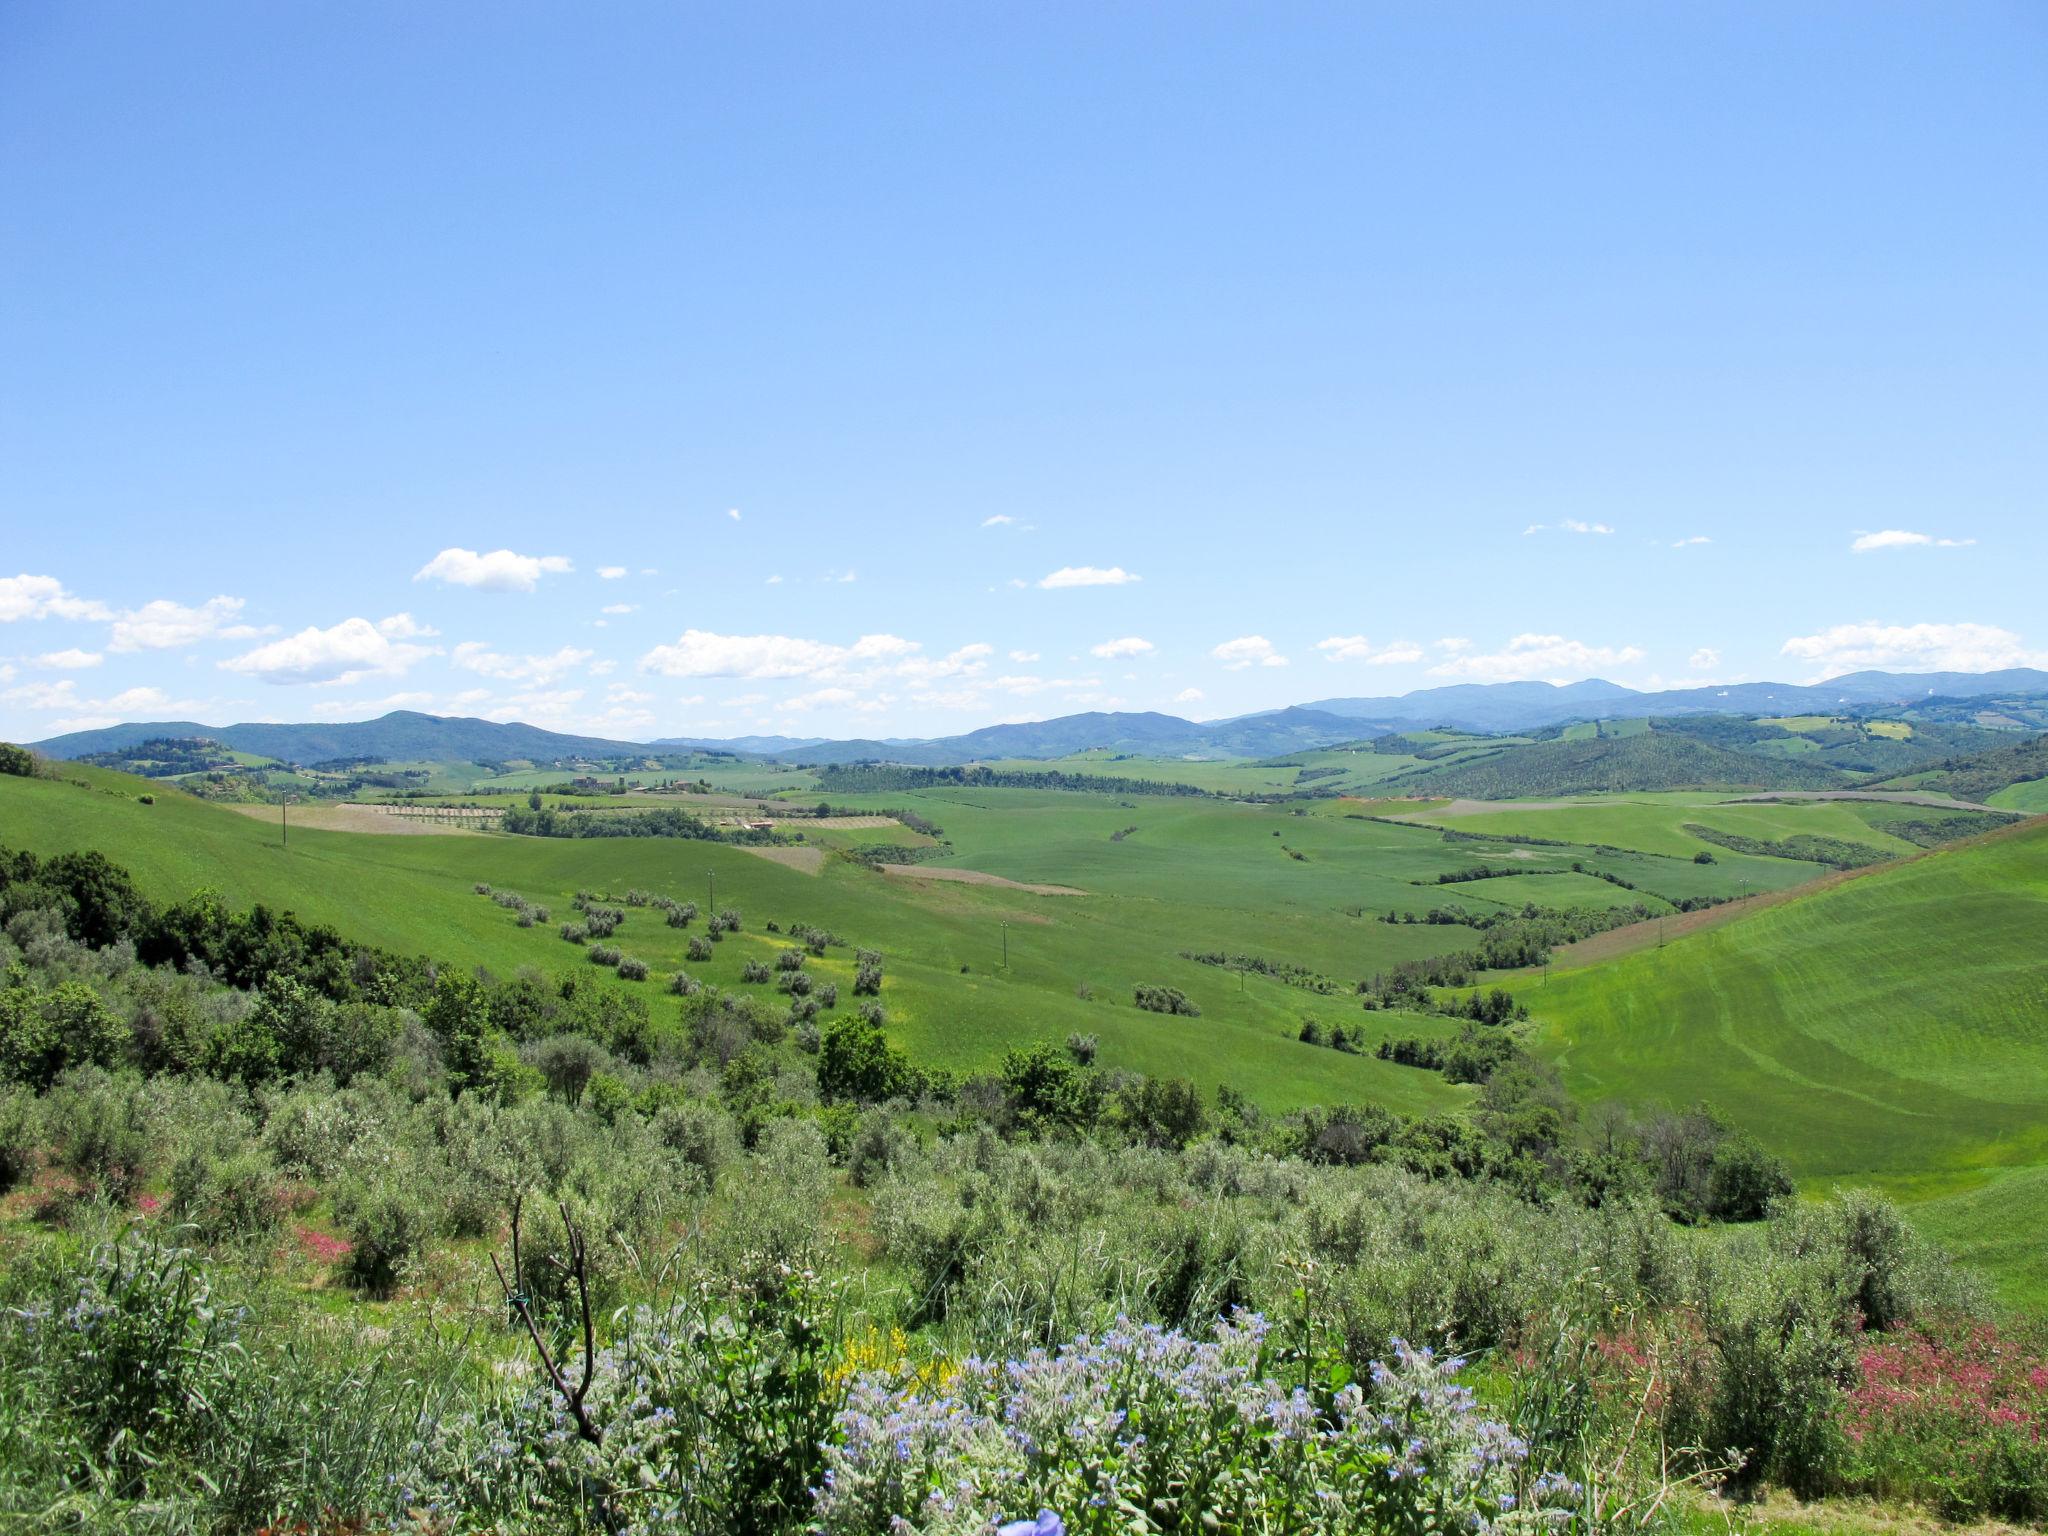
(21, 1136)
(388, 1225)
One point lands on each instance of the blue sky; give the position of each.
(890, 370)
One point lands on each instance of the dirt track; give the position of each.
(975, 877)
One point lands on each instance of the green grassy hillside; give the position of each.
(1649, 760)
(949, 999)
(1891, 1029)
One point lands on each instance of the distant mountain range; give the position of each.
(405, 735)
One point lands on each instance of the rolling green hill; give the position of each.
(1890, 1029)
(1983, 775)
(1651, 760)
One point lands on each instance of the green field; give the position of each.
(1890, 1030)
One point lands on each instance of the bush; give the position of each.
(682, 984)
(575, 933)
(699, 950)
(21, 1136)
(754, 971)
(105, 1132)
(867, 981)
(388, 1227)
(1226, 1446)
(632, 969)
(604, 954)
(226, 1197)
(1165, 1000)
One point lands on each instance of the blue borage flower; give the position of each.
(1185, 1431)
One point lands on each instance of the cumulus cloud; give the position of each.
(821, 698)
(703, 653)
(163, 625)
(610, 572)
(1189, 696)
(1023, 655)
(44, 597)
(345, 653)
(124, 705)
(1569, 525)
(499, 571)
(1248, 651)
(968, 661)
(475, 656)
(1130, 645)
(1000, 520)
(1911, 647)
(733, 513)
(1688, 543)
(1899, 538)
(73, 660)
(1551, 658)
(1454, 644)
(1705, 657)
(1358, 648)
(620, 608)
(1088, 576)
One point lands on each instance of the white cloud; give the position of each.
(1248, 651)
(620, 608)
(1023, 655)
(733, 513)
(1028, 684)
(1913, 647)
(603, 668)
(1358, 648)
(820, 698)
(1698, 538)
(1454, 644)
(1551, 658)
(1573, 525)
(968, 661)
(1705, 657)
(350, 650)
(499, 571)
(1189, 696)
(73, 660)
(840, 576)
(1899, 538)
(702, 653)
(1088, 576)
(403, 626)
(610, 572)
(774, 581)
(123, 705)
(162, 625)
(1130, 645)
(1000, 520)
(476, 656)
(44, 597)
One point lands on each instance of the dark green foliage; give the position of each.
(857, 1063)
(1832, 851)
(1655, 760)
(1164, 1000)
